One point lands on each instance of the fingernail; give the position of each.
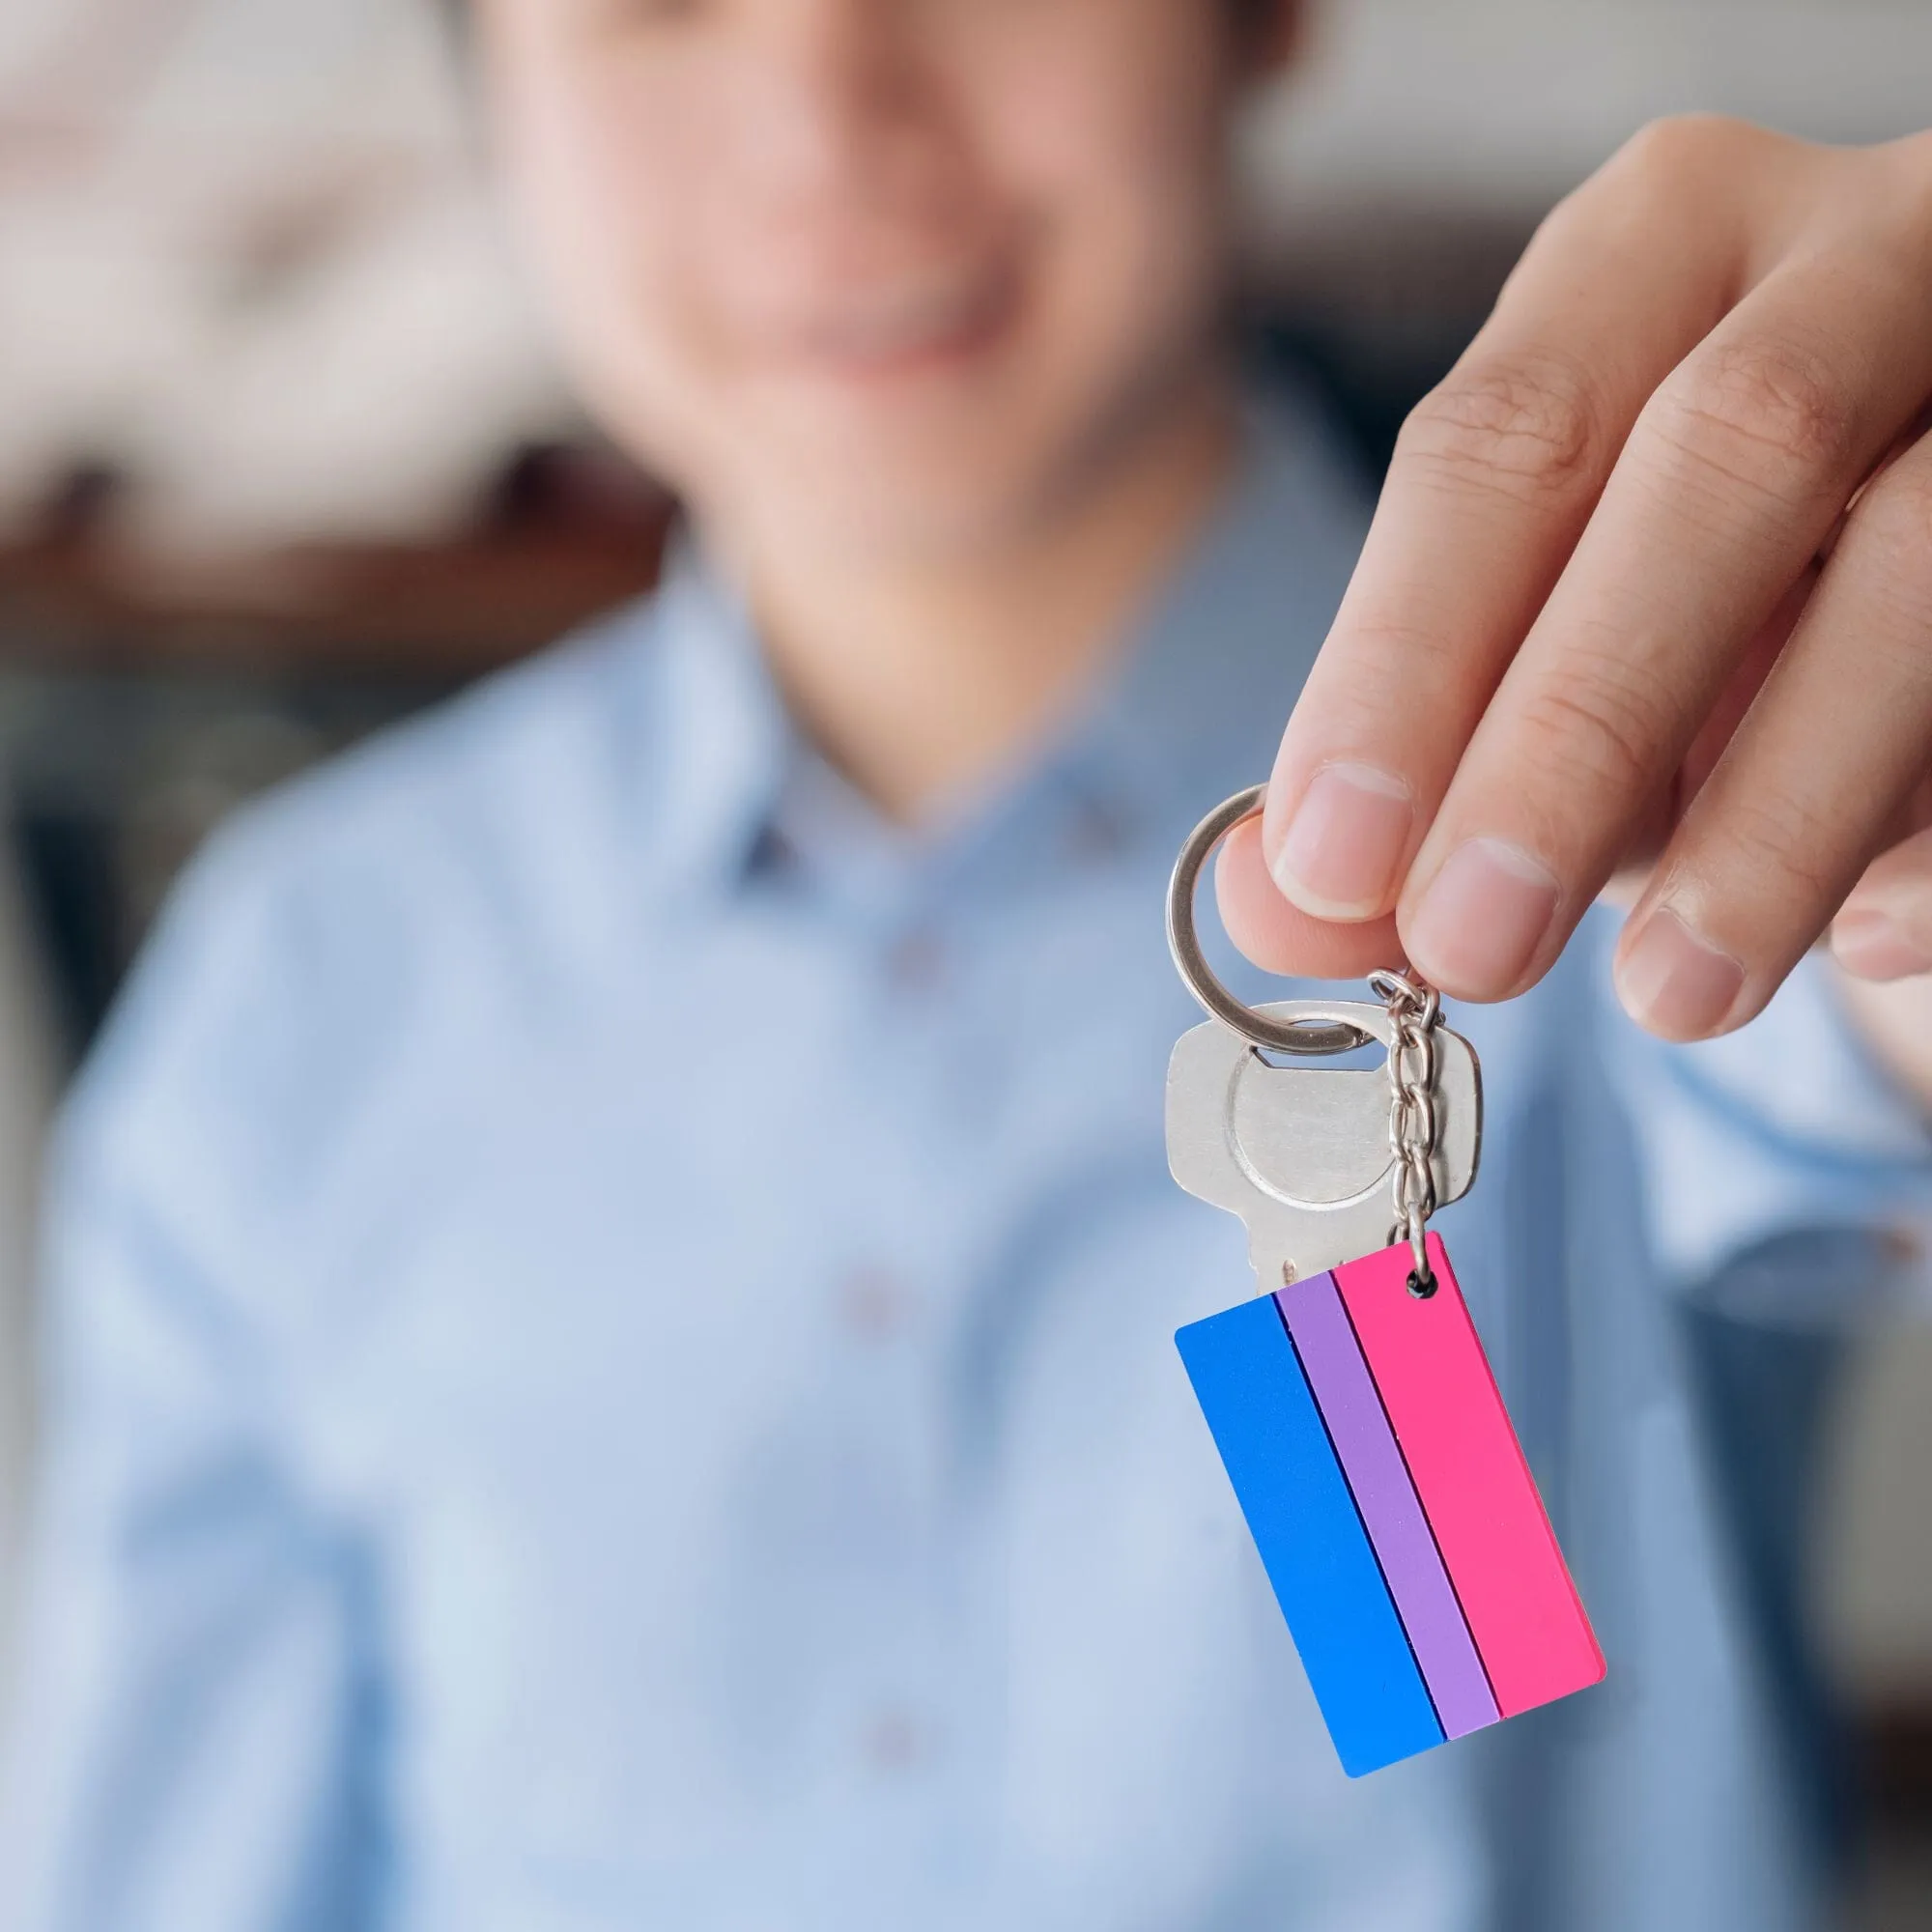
(1482, 919)
(1876, 947)
(1674, 982)
(1339, 856)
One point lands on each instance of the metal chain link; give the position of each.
(1413, 1012)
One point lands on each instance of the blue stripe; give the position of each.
(1303, 1519)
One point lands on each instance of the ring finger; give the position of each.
(1809, 788)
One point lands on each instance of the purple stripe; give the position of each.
(1378, 1477)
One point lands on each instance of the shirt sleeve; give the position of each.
(1787, 1126)
(191, 1682)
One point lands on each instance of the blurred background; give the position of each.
(283, 455)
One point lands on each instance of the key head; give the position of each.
(1302, 1153)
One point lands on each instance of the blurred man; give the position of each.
(612, 1285)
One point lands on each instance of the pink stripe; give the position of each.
(1476, 1488)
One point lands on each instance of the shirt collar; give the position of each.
(719, 738)
(1200, 696)
(1191, 712)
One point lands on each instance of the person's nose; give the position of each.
(853, 108)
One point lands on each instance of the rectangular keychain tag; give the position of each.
(1353, 1403)
(1443, 1534)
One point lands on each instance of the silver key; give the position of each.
(1305, 1155)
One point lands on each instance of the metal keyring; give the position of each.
(1280, 1035)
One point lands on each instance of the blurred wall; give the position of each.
(244, 261)
(1511, 102)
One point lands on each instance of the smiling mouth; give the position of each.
(913, 330)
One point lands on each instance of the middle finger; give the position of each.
(1735, 474)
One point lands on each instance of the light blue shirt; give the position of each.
(610, 1362)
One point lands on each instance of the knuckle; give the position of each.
(1391, 660)
(1770, 412)
(1901, 171)
(1887, 552)
(1892, 522)
(1527, 424)
(1391, 647)
(1679, 172)
(1770, 834)
(1673, 147)
(1598, 723)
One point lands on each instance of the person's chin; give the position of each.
(895, 498)
(947, 457)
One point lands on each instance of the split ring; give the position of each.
(1301, 1037)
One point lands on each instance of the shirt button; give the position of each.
(773, 856)
(875, 1303)
(917, 961)
(894, 1741)
(1094, 834)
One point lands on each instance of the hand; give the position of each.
(1650, 584)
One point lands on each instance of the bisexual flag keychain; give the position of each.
(1351, 1401)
